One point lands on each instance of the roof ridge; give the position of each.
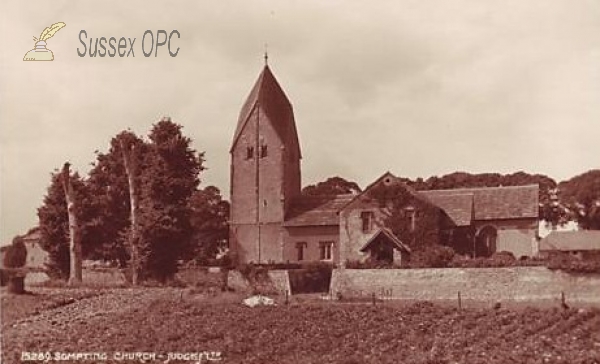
(483, 188)
(451, 189)
(329, 195)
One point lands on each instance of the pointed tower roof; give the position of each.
(270, 98)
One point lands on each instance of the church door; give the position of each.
(485, 243)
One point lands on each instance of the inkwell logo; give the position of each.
(40, 52)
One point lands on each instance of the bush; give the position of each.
(504, 256)
(497, 260)
(573, 265)
(16, 254)
(432, 256)
(369, 264)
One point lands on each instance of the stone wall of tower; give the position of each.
(243, 176)
(259, 188)
(248, 247)
(292, 176)
(272, 179)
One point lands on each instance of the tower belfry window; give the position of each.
(263, 151)
(249, 152)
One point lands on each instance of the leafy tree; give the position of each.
(108, 183)
(169, 177)
(209, 221)
(581, 194)
(332, 186)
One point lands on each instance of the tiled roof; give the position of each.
(571, 240)
(387, 179)
(493, 203)
(316, 210)
(459, 207)
(268, 95)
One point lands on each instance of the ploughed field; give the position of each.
(163, 320)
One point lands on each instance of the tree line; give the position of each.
(140, 207)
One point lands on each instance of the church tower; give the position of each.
(265, 172)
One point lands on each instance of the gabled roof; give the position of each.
(270, 98)
(316, 210)
(390, 236)
(389, 179)
(571, 240)
(491, 203)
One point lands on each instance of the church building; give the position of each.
(272, 222)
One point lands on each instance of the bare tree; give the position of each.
(130, 162)
(75, 276)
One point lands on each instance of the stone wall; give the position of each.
(278, 282)
(517, 284)
(312, 236)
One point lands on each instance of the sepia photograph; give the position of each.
(300, 182)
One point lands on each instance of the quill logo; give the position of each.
(40, 52)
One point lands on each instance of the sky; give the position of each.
(415, 87)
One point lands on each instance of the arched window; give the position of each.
(263, 151)
(249, 152)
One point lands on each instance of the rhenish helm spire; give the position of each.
(265, 171)
(268, 97)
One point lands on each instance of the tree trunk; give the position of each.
(130, 162)
(75, 275)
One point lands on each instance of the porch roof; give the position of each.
(390, 236)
